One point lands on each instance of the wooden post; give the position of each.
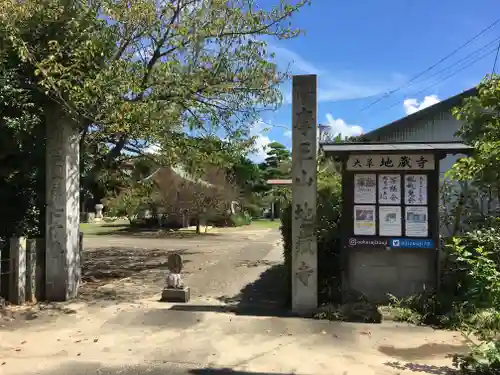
(17, 287)
(31, 270)
(304, 155)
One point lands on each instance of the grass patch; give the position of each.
(96, 229)
(266, 223)
(123, 228)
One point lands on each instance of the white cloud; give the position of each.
(339, 126)
(288, 133)
(258, 130)
(413, 105)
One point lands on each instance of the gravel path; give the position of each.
(215, 266)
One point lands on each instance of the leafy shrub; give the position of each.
(241, 219)
(484, 359)
(476, 259)
(130, 202)
(477, 254)
(236, 220)
(328, 237)
(253, 209)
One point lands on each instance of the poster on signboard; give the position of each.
(364, 220)
(416, 222)
(416, 189)
(389, 220)
(389, 189)
(365, 188)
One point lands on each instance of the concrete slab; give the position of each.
(121, 336)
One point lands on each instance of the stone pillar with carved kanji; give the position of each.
(63, 201)
(304, 253)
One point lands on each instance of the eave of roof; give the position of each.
(442, 106)
(279, 182)
(396, 147)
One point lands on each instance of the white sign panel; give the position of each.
(377, 162)
(416, 222)
(389, 189)
(416, 189)
(389, 220)
(364, 220)
(365, 188)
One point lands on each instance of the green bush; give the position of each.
(484, 359)
(328, 236)
(236, 220)
(253, 209)
(241, 219)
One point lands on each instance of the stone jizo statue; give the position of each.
(174, 290)
(174, 265)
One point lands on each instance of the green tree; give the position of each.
(278, 161)
(480, 115)
(135, 74)
(135, 71)
(277, 165)
(21, 148)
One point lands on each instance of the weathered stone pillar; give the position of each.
(63, 200)
(17, 287)
(304, 254)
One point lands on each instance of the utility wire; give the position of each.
(432, 66)
(447, 77)
(475, 52)
(496, 59)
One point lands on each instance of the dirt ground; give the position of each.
(234, 324)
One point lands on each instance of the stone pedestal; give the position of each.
(63, 201)
(175, 295)
(98, 212)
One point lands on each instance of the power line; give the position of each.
(496, 59)
(447, 77)
(475, 52)
(432, 66)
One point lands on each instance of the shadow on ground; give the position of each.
(124, 274)
(264, 297)
(147, 232)
(423, 351)
(165, 368)
(423, 369)
(225, 371)
(108, 263)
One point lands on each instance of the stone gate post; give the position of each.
(304, 253)
(63, 206)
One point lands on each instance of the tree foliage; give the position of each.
(137, 74)
(132, 71)
(481, 117)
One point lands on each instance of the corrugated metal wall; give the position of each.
(441, 128)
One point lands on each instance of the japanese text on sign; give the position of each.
(365, 188)
(391, 162)
(389, 189)
(416, 189)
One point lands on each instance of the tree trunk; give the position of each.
(197, 224)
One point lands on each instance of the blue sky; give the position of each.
(360, 49)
